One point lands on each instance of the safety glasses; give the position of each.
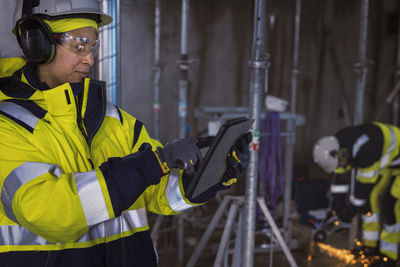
(79, 45)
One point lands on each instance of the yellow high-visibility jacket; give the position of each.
(373, 148)
(64, 199)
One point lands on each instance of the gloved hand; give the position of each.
(334, 223)
(179, 153)
(237, 160)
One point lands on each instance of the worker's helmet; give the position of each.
(325, 153)
(35, 36)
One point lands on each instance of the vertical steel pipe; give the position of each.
(157, 70)
(183, 70)
(395, 114)
(361, 67)
(257, 66)
(183, 66)
(108, 63)
(291, 125)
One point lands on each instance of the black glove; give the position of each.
(179, 153)
(128, 177)
(237, 160)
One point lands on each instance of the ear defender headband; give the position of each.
(34, 36)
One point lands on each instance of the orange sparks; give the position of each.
(344, 255)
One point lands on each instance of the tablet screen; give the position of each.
(213, 165)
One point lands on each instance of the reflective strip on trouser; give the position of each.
(20, 176)
(371, 229)
(389, 249)
(87, 184)
(358, 202)
(129, 220)
(339, 189)
(384, 160)
(174, 194)
(390, 237)
(19, 113)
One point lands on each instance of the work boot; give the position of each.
(383, 261)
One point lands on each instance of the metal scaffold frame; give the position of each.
(259, 66)
(108, 64)
(245, 234)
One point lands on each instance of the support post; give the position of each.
(157, 70)
(291, 126)
(183, 65)
(361, 69)
(257, 64)
(395, 114)
(108, 64)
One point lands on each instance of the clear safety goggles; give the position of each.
(79, 45)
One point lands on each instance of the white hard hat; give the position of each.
(325, 153)
(67, 8)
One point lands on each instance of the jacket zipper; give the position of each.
(80, 119)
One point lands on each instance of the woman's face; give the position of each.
(68, 66)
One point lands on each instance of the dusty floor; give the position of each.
(197, 221)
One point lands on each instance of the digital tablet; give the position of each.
(213, 165)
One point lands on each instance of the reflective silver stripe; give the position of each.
(359, 143)
(393, 228)
(127, 221)
(19, 113)
(395, 162)
(173, 193)
(18, 235)
(374, 217)
(339, 189)
(388, 246)
(112, 111)
(20, 176)
(370, 174)
(370, 235)
(357, 201)
(92, 200)
(392, 140)
(385, 158)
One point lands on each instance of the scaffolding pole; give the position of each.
(257, 65)
(395, 112)
(183, 66)
(108, 64)
(157, 70)
(361, 69)
(291, 126)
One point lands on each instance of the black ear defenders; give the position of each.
(34, 36)
(343, 154)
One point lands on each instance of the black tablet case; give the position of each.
(213, 165)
